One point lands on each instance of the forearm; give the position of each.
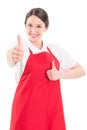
(75, 72)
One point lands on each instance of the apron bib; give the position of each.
(37, 103)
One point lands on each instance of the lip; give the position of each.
(33, 36)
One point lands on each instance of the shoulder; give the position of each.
(55, 48)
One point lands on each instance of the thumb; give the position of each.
(19, 40)
(53, 64)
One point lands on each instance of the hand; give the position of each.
(17, 52)
(53, 74)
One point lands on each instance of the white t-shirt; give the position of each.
(66, 61)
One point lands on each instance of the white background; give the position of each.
(68, 28)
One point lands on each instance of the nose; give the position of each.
(33, 30)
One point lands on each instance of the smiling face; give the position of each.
(35, 28)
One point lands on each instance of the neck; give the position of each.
(38, 44)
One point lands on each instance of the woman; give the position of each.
(37, 103)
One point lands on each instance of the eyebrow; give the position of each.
(39, 24)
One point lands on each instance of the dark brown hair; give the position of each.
(40, 13)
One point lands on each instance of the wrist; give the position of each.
(61, 75)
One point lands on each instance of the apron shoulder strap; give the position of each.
(30, 51)
(49, 49)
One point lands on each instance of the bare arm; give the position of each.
(76, 72)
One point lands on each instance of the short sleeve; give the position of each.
(65, 59)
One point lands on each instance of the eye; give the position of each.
(29, 25)
(39, 26)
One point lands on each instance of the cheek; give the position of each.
(41, 32)
(28, 31)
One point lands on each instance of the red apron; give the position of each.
(37, 102)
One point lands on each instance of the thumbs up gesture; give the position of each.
(53, 73)
(17, 52)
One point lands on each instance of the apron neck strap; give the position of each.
(30, 51)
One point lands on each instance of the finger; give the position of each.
(49, 75)
(19, 40)
(53, 64)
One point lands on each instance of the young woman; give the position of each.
(37, 103)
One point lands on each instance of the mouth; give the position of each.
(33, 36)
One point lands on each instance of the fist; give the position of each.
(53, 73)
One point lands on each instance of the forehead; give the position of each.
(34, 19)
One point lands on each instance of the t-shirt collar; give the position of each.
(35, 49)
